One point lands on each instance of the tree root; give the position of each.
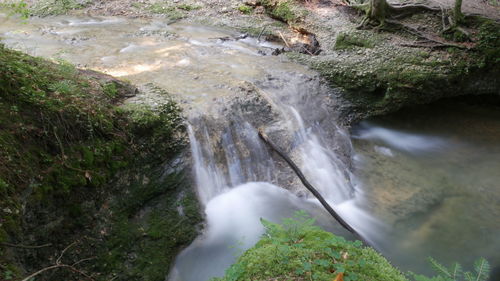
(403, 10)
(435, 43)
(5, 244)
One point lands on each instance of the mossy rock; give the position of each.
(298, 250)
(287, 11)
(351, 40)
(66, 148)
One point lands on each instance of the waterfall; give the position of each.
(239, 181)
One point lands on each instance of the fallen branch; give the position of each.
(59, 264)
(5, 244)
(283, 38)
(304, 181)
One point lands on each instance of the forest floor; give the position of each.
(229, 8)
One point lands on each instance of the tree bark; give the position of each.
(457, 12)
(378, 10)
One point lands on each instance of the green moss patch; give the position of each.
(298, 250)
(172, 11)
(143, 241)
(287, 11)
(245, 9)
(350, 40)
(63, 144)
(56, 7)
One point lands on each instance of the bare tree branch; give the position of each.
(58, 261)
(25, 246)
(58, 264)
(304, 181)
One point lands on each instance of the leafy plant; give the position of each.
(187, 7)
(56, 7)
(17, 8)
(456, 273)
(110, 90)
(245, 9)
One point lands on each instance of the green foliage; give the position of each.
(171, 12)
(283, 10)
(63, 139)
(456, 273)
(187, 7)
(17, 8)
(245, 9)
(157, 237)
(352, 40)
(110, 90)
(298, 250)
(55, 7)
(66, 87)
(489, 42)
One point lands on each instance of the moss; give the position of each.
(16, 8)
(187, 7)
(245, 9)
(298, 250)
(489, 42)
(166, 9)
(383, 82)
(56, 7)
(352, 40)
(62, 142)
(284, 10)
(110, 90)
(144, 249)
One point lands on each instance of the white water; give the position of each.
(234, 176)
(400, 140)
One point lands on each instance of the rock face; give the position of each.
(102, 185)
(268, 105)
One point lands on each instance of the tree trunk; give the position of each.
(457, 12)
(378, 10)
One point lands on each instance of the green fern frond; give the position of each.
(456, 271)
(468, 276)
(482, 268)
(439, 268)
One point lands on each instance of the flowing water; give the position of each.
(230, 87)
(433, 174)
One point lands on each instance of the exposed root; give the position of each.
(429, 41)
(380, 12)
(402, 10)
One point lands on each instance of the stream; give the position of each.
(420, 183)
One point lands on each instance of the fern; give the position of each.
(439, 268)
(482, 268)
(468, 276)
(455, 272)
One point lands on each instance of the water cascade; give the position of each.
(239, 181)
(416, 182)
